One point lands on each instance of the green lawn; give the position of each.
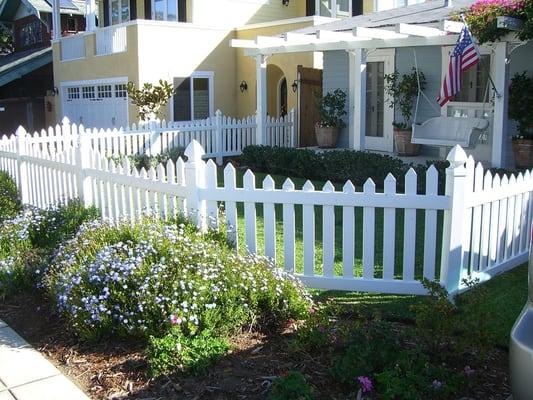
(298, 182)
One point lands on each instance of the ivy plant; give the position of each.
(150, 98)
(402, 90)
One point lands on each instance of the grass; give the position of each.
(359, 230)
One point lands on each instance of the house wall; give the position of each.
(287, 63)
(125, 64)
(335, 76)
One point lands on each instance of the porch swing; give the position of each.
(446, 131)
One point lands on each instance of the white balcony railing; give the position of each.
(73, 47)
(111, 40)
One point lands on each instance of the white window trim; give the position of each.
(119, 12)
(445, 59)
(166, 11)
(210, 75)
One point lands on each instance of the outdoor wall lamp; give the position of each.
(295, 86)
(285, 2)
(243, 86)
(55, 91)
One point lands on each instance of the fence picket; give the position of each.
(369, 215)
(409, 229)
(328, 233)
(231, 206)
(485, 225)
(308, 221)
(250, 216)
(476, 220)
(389, 229)
(502, 222)
(269, 220)
(494, 223)
(348, 234)
(289, 234)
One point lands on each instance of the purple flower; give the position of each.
(175, 320)
(436, 384)
(468, 371)
(366, 383)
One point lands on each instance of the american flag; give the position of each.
(464, 55)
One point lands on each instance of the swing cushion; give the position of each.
(449, 131)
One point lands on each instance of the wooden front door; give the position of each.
(310, 81)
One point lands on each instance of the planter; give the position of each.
(523, 153)
(404, 147)
(326, 137)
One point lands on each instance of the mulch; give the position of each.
(117, 369)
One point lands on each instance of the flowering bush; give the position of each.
(481, 18)
(28, 241)
(9, 197)
(153, 278)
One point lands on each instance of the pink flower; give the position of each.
(175, 320)
(468, 371)
(366, 383)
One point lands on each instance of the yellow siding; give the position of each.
(368, 6)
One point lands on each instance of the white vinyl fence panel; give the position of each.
(485, 228)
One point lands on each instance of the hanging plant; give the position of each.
(482, 15)
(403, 90)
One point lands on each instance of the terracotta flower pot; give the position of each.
(523, 153)
(326, 136)
(404, 147)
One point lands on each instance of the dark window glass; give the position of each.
(182, 99)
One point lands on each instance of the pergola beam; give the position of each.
(418, 30)
(452, 26)
(375, 33)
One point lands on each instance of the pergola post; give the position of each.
(500, 139)
(357, 99)
(56, 19)
(90, 15)
(261, 117)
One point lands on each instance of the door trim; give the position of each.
(385, 143)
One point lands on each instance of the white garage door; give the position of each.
(96, 105)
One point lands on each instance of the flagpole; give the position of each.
(496, 92)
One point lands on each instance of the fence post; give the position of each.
(22, 167)
(452, 234)
(194, 180)
(218, 137)
(82, 162)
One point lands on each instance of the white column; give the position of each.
(56, 19)
(357, 99)
(261, 79)
(500, 74)
(90, 15)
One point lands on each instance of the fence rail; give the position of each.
(484, 219)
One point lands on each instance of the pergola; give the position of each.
(356, 43)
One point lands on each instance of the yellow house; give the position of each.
(187, 43)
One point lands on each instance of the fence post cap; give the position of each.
(457, 156)
(21, 132)
(65, 120)
(194, 151)
(218, 113)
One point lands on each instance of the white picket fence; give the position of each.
(485, 226)
(221, 136)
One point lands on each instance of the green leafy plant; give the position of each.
(291, 386)
(192, 355)
(482, 15)
(9, 197)
(150, 98)
(521, 104)
(6, 41)
(402, 90)
(331, 108)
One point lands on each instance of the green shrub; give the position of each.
(192, 355)
(146, 278)
(292, 386)
(9, 197)
(146, 161)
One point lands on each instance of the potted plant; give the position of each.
(402, 91)
(520, 110)
(331, 108)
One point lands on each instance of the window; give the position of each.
(87, 92)
(119, 11)
(120, 91)
(104, 91)
(334, 8)
(193, 97)
(72, 26)
(73, 93)
(475, 83)
(165, 10)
